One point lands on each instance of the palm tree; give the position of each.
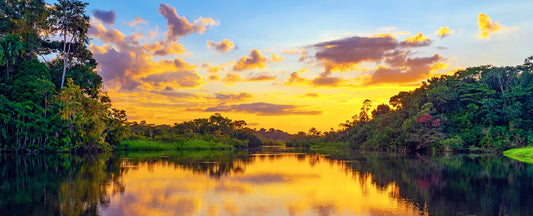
(10, 45)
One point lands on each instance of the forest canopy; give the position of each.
(483, 108)
(57, 104)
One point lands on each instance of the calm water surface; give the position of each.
(266, 182)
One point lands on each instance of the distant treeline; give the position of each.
(483, 108)
(57, 104)
(216, 128)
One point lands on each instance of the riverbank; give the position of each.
(153, 145)
(524, 154)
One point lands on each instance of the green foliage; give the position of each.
(36, 113)
(153, 145)
(524, 154)
(316, 140)
(10, 48)
(215, 129)
(146, 145)
(482, 108)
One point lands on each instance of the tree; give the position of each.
(72, 23)
(381, 110)
(10, 47)
(314, 132)
(239, 124)
(35, 112)
(363, 116)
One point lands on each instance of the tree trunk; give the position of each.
(64, 58)
(65, 52)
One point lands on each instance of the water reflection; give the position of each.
(281, 184)
(57, 184)
(263, 183)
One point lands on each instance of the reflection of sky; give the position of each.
(268, 186)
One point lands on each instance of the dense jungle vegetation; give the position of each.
(55, 104)
(483, 108)
(215, 132)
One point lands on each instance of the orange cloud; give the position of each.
(347, 53)
(443, 32)
(117, 68)
(438, 66)
(260, 77)
(170, 93)
(125, 63)
(406, 70)
(222, 46)
(231, 77)
(181, 78)
(256, 60)
(165, 48)
(98, 30)
(325, 79)
(311, 95)
(487, 27)
(354, 50)
(217, 68)
(295, 78)
(163, 66)
(137, 21)
(179, 26)
(227, 96)
(213, 77)
(417, 40)
(214, 69)
(385, 35)
(265, 109)
(276, 58)
(206, 22)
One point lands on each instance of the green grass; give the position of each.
(173, 153)
(203, 145)
(152, 145)
(524, 154)
(329, 145)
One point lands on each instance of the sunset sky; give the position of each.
(291, 65)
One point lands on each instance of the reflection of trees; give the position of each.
(56, 184)
(482, 185)
(213, 163)
(74, 185)
(79, 185)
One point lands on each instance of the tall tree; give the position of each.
(10, 47)
(73, 25)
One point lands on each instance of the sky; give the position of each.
(291, 65)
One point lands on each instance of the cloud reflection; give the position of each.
(267, 185)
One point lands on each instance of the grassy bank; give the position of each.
(330, 146)
(152, 145)
(524, 154)
(189, 154)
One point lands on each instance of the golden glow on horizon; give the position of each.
(296, 186)
(337, 106)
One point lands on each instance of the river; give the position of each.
(269, 181)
